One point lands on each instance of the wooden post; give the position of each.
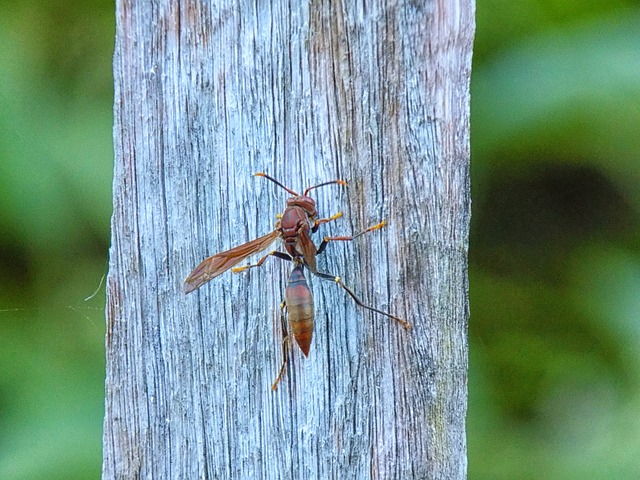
(376, 93)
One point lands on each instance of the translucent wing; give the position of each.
(221, 262)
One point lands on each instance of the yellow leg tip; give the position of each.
(382, 224)
(378, 226)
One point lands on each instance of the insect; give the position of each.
(294, 226)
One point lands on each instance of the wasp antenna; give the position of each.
(338, 182)
(260, 174)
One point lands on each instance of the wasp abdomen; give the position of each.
(299, 303)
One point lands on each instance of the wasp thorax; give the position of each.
(308, 204)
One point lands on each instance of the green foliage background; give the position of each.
(56, 163)
(555, 247)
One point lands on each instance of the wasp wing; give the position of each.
(221, 262)
(308, 248)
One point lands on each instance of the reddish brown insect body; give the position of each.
(295, 227)
(299, 302)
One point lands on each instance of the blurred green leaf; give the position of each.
(555, 242)
(55, 181)
(56, 152)
(567, 95)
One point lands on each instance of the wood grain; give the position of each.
(376, 93)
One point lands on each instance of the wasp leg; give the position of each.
(338, 280)
(321, 221)
(326, 240)
(286, 345)
(282, 255)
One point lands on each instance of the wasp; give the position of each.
(294, 226)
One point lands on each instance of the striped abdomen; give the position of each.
(300, 308)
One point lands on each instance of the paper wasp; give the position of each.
(295, 226)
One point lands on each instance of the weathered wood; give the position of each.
(206, 94)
